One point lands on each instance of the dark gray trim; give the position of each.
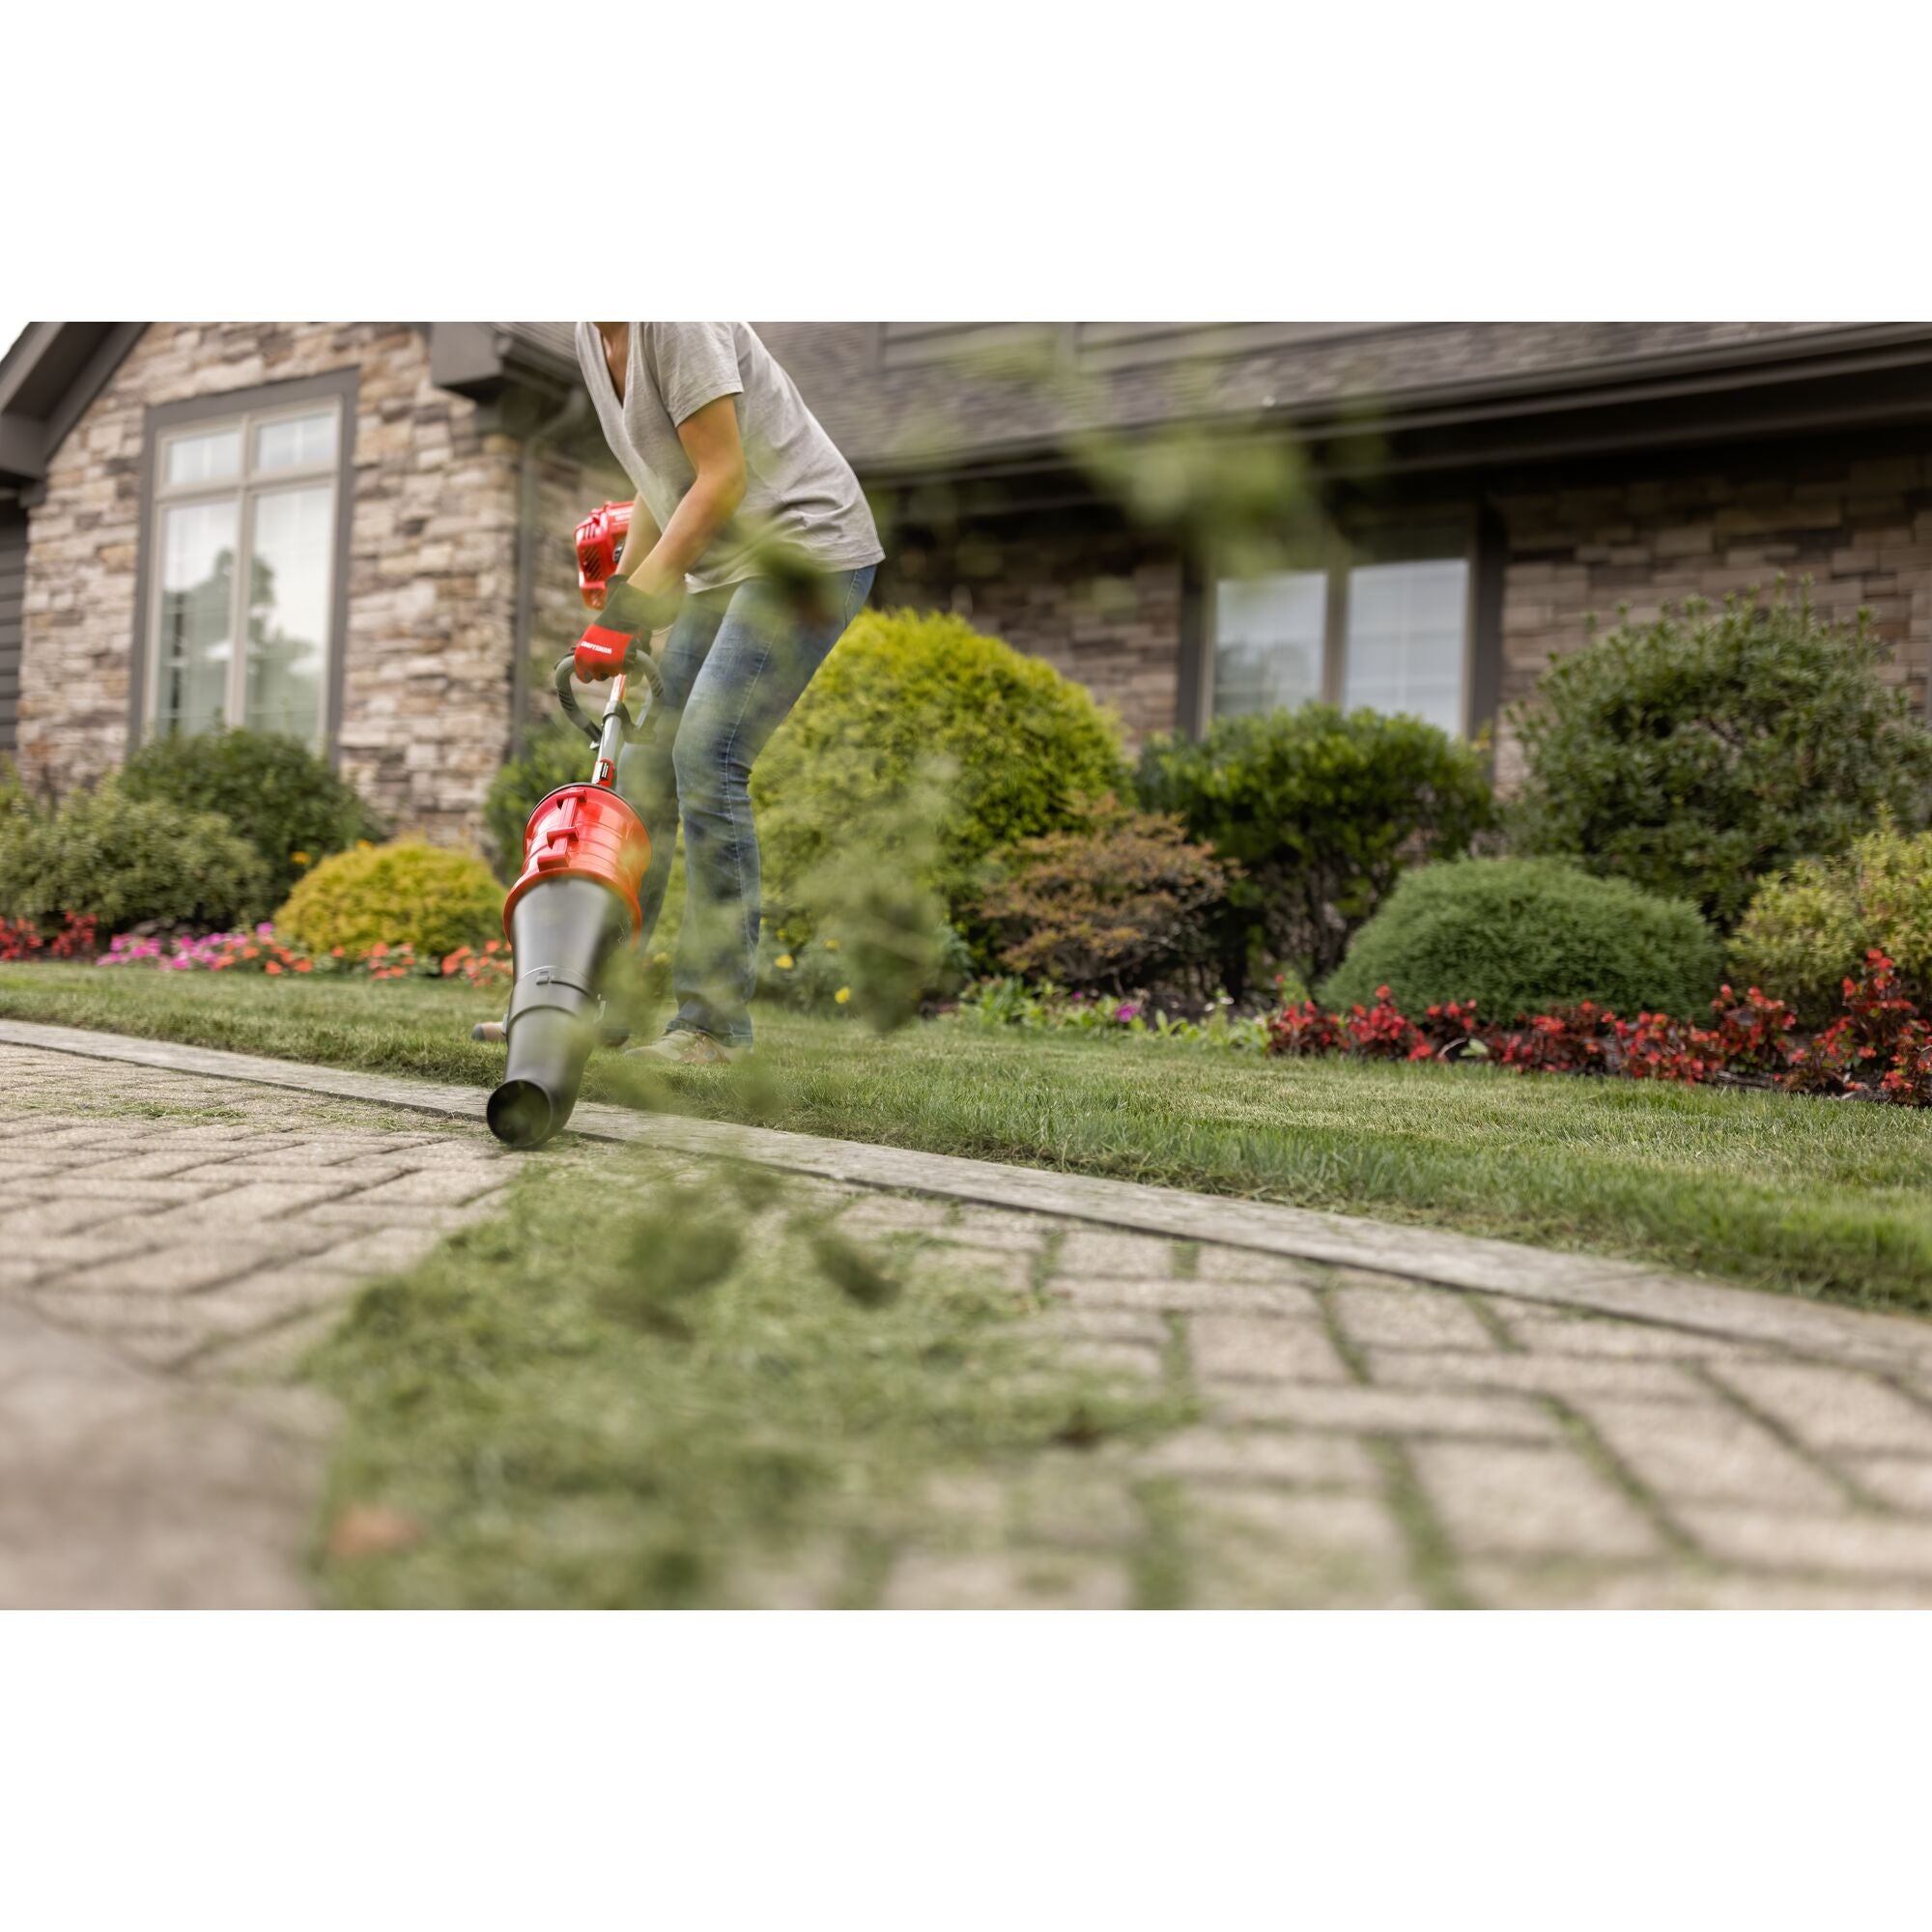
(1486, 642)
(1190, 668)
(107, 357)
(12, 602)
(529, 484)
(343, 383)
(47, 378)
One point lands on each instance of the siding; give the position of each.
(12, 591)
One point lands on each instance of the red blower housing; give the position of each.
(584, 831)
(599, 544)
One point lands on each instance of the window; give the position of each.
(242, 552)
(1384, 626)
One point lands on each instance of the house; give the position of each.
(396, 500)
(400, 497)
(1479, 491)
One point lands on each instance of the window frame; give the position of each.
(1423, 537)
(248, 410)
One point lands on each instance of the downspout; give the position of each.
(534, 444)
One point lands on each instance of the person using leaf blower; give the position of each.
(751, 541)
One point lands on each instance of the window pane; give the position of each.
(1267, 641)
(288, 610)
(296, 443)
(210, 457)
(1405, 650)
(197, 600)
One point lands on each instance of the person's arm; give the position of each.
(642, 537)
(711, 441)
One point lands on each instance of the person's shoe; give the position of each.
(687, 1048)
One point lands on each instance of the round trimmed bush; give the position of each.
(127, 862)
(1695, 755)
(276, 793)
(1524, 936)
(407, 893)
(907, 694)
(1808, 930)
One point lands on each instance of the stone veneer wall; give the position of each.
(1859, 527)
(431, 590)
(570, 483)
(1103, 606)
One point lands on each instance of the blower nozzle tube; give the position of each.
(573, 907)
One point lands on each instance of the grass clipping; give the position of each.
(596, 1405)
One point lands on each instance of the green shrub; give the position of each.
(406, 893)
(1319, 811)
(276, 792)
(1697, 754)
(554, 753)
(907, 695)
(1527, 936)
(1107, 906)
(127, 862)
(1807, 931)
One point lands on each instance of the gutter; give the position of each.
(534, 443)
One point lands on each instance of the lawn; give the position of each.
(1812, 1196)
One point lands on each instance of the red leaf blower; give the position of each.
(575, 903)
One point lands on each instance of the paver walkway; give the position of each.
(1454, 1422)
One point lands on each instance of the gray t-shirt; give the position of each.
(799, 491)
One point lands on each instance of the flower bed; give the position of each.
(1013, 1002)
(261, 951)
(1877, 1048)
(21, 939)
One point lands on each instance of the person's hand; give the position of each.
(628, 613)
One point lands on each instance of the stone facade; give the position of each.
(1104, 604)
(439, 488)
(1858, 529)
(1100, 602)
(431, 589)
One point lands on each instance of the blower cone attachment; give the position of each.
(574, 906)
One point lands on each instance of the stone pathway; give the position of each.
(1386, 1416)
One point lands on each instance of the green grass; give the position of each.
(718, 1401)
(1811, 1197)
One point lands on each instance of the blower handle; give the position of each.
(637, 659)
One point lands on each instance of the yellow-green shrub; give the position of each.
(907, 695)
(434, 900)
(1807, 931)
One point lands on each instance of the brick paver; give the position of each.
(170, 1243)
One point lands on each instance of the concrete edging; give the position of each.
(1625, 1288)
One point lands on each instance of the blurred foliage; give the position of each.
(127, 862)
(1697, 754)
(1113, 904)
(277, 793)
(911, 701)
(866, 929)
(554, 753)
(1316, 812)
(1807, 931)
(675, 1413)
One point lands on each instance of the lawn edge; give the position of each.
(1598, 1284)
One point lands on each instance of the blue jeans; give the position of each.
(734, 666)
